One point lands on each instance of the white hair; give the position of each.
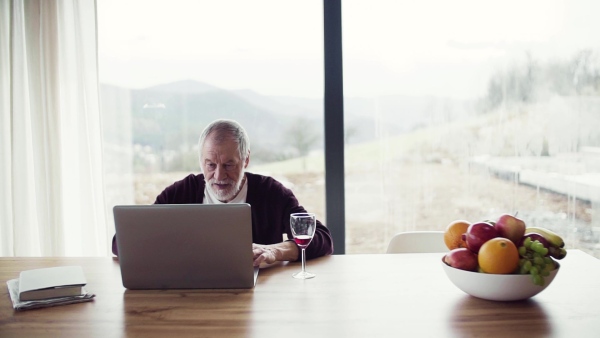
(223, 129)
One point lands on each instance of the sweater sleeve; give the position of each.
(321, 244)
(272, 204)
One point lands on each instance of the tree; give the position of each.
(302, 136)
(585, 71)
(350, 133)
(516, 84)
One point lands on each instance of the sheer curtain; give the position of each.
(52, 198)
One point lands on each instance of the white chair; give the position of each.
(417, 242)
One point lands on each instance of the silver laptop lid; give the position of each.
(185, 246)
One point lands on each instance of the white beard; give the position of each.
(225, 195)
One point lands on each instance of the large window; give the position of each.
(469, 109)
(167, 69)
(453, 110)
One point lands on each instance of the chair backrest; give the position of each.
(417, 242)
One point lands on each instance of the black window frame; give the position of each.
(334, 123)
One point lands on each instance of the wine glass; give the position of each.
(303, 227)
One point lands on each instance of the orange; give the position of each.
(453, 234)
(498, 255)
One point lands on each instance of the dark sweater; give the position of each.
(271, 204)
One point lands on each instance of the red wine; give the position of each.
(302, 240)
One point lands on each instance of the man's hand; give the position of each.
(269, 254)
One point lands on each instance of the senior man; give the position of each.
(224, 150)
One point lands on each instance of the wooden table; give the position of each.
(352, 296)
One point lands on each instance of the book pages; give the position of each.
(13, 290)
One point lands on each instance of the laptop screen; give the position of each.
(185, 246)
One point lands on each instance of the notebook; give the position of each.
(185, 246)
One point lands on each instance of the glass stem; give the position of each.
(303, 260)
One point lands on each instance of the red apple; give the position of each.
(462, 258)
(511, 227)
(479, 233)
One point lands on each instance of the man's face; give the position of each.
(222, 167)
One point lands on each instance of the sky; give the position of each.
(275, 47)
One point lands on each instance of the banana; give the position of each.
(553, 238)
(558, 253)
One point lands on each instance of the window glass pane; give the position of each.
(467, 110)
(167, 69)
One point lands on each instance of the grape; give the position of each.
(539, 261)
(538, 280)
(534, 261)
(539, 248)
(525, 266)
(534, 270)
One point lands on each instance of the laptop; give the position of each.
(185, 246)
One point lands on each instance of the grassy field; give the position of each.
(421, 196)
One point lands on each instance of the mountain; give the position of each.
(286, 105)
(180, 111)
(366, 118)
(171, 116)
(183, 86)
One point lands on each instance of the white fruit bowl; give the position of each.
(496, 287)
